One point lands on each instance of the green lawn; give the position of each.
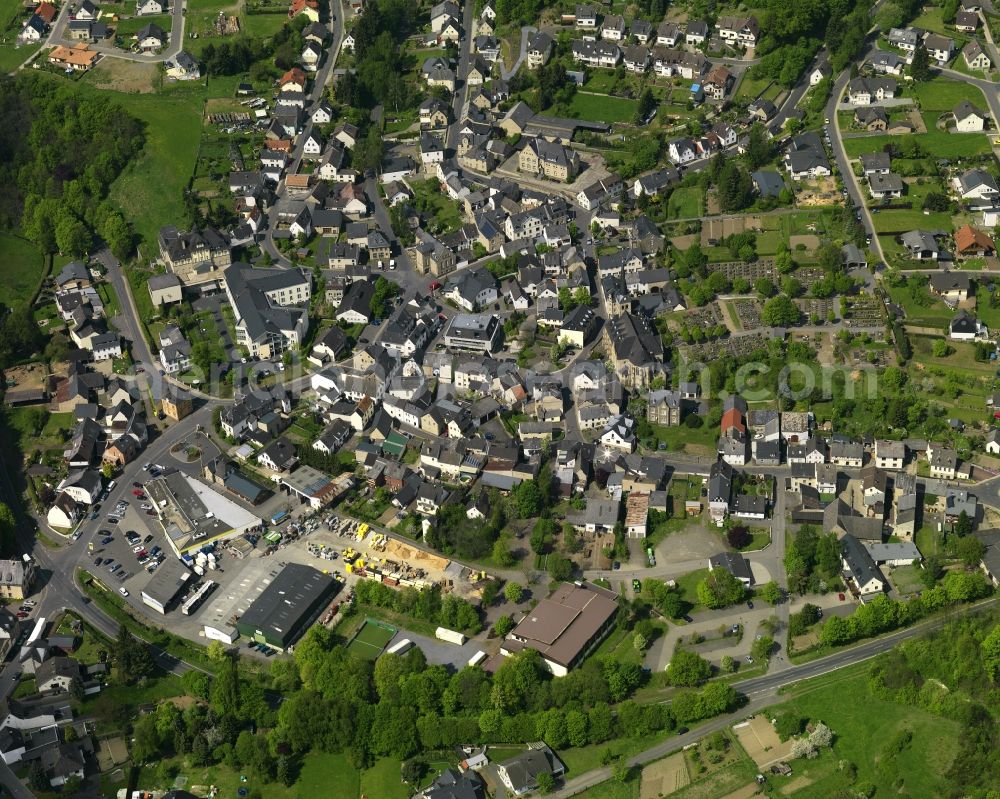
(931, 19)
(683, 438)
(902, 220)
(441, 213)
(861, 727)
(382, 780)
(943, 94)
(13, 55)
(751, 88)
(686, 202)
(22, 269)
(930, 312)
(127, 28)
(600, 108)
(990, 316)
(939, 143)
(688, 585)
(321, 775)
(264, 25)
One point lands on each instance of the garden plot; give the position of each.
(715, 230)
(664, 777)
(761, 742)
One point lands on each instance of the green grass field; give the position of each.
(371, 639)
(13, 55)
(150, 190)
(751, 88)
(934, 314)
(22, 268)
(902, 220)
(382, 780)
(861, 727)
(685, 202)
(129, 27)
(601, 108)
(264, 25)
(938, 143)
(943, 94)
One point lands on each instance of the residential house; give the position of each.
(865, 91)
(861, 567)
(977, 188)
(741, 32)
(920, 245)
(884, 187)
(973, 243)
(952, 286)
(872, 118)
(968, 118)
(540, 46)
(940, 48)
(965, 327)
(975, 56)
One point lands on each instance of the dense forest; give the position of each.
(59, 153)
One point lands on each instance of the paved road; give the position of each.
(461, 75)
(526, 32)
(320, 78)
(762, 692)
(851, 182)
(107, 48)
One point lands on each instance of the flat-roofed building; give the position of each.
(314, 487)
(566, 626)
(474, 333)
(166, 584)
(193, 514)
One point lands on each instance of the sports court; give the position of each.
(371, 639)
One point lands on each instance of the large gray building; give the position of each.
(286, 608)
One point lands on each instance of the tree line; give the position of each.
(59, 153)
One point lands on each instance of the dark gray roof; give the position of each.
(859, 561)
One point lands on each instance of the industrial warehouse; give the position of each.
(193, 514)
(166, 585)
(566, 626)
(287, 606)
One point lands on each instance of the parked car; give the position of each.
(147, 539)
(123, 591)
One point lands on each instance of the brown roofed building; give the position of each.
(79, 57)
(972, 243)
(566, 626)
